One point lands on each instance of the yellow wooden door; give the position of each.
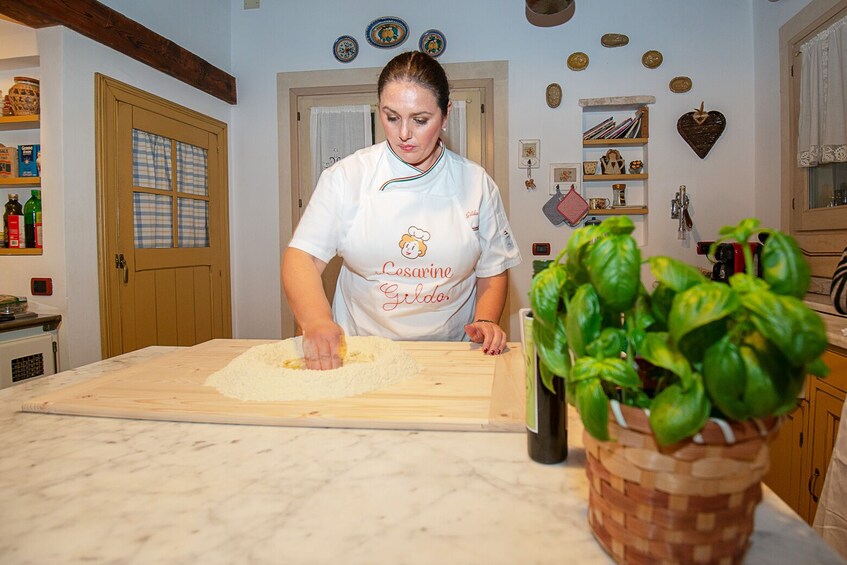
(787, 454)
(164, 232)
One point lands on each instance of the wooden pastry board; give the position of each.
(457, 388)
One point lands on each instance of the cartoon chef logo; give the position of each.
(412, 244)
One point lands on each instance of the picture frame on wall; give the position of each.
(564, 175)
(529, 153)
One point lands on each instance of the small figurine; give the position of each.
(611, 163)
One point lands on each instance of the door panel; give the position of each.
(163, 222)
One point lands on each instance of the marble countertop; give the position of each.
(101, 490)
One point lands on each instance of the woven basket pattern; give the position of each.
(692, 502)
(25, 96)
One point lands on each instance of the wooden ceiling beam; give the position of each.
(104, 25)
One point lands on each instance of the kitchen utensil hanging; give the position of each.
(550, 208)
(572, 207)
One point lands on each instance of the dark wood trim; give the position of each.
(104, 25)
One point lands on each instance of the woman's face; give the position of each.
(412, 121)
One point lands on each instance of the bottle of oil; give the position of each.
(546, 410)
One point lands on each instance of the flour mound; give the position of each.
(275, 371)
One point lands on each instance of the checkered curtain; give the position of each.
(191, 178)
(153, 213)
(151, 168)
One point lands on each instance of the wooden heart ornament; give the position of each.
(701, 129)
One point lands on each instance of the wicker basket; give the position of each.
(25, 96)
(692, 502)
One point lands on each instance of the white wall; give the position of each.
(768, 17)
(717, 44)
(728, 47)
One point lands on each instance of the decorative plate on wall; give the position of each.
(345, 49)
(652, 59)
(577, 61)
(680, 84)
(432, 42)
(387, 32)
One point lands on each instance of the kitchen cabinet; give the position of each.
(20, 185)
(599, 185)
(801, 452)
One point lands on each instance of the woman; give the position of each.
(422, 231)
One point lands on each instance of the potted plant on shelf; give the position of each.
(680, 387)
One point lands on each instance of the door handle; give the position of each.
(120, 263)
(813, 480)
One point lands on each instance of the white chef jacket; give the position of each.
(412, 242)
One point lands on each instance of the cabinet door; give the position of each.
(788, 454)
(826, 417)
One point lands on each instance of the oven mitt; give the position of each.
(550, 209)
(573, 207)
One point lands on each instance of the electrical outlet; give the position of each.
(251, 4)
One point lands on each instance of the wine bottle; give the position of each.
(546, 410)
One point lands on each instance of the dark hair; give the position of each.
(417, 67)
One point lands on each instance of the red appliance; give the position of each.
(729, 258)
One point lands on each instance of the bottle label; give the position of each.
(530, 367)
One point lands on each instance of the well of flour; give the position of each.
(275, 371)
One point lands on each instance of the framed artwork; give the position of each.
(529, 153)
(564, 175)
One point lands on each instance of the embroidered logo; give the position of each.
(412, 244)
(473, 217)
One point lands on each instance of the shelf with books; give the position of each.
(621, 125)
(636, 141)
(33, 251)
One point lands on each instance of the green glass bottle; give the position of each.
(32, 220)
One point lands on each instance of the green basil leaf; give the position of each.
(642, 313)
(699, 306)
(675, 274)
(547, 376)
(583, 323)
(676, 414)
(552, 346)
(817, 368)
(661, 302)
(593, 407)
(578, 248)
(725, 378)
(742, 231)
(618, 225)
(614, 267)
(615, 371)
(797, 331)
(656, 349)
(761, 390)
(544, 294)
(609, 343)
(747, 284)
(783, 265)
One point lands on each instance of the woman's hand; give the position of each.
(322, 345)
(490, 335)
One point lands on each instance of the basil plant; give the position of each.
(689, 349)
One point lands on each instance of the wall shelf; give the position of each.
(589, 178)
(632, 142)
(33, 251)
(628, 211)
(8, 123)
(11, 182)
